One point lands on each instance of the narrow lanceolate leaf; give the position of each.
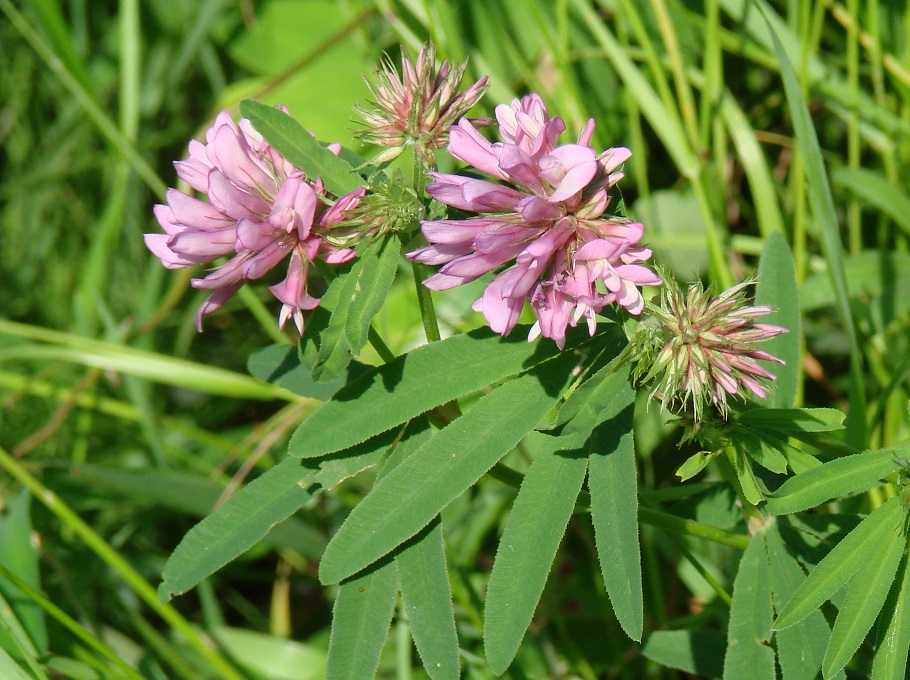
(297, 145)
(822, 205)
(236, 526)
(878, 191)
(748, 656)
(360, 623)
(418, 381)
(800, 648)
(894, 628)
(760, 450)
(361, 293)
(427, 598)
(839, 477)
(527, 548)
(746, 477)
(794, 419)
(866, 594)
(404, 501)
(839, 566)
(777, 288)
(612, 481)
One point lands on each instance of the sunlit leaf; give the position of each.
(839, 477)
(833, 572)
(405, 500)
(424, 584)
(360, 622)
(866, 593)
(749, 655)
(527, 548)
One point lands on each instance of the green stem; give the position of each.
(68, 622)
(113, 559)
(425, 302)
(104, 124)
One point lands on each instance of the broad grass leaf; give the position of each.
(894, 628)
(281, 365)
(271, 656)
(877, 191)
(822, 204)
(360, 622)
(299, 147)
(10, 670)
(605, 427)
(19, 554)
(237, 525)
(748, 657)
(800, 648)
(793, 419)
(840, 565)
(527, 549)
(700, 652)
(418, 381)
(837, 478)
(427, 597)
(409, 497)
(361, 292)
(866, 593)
(777, 288)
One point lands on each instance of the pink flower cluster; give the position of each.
(260, 210)
(547, 215)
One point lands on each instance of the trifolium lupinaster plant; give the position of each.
(579, 321)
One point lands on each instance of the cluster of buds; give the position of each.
(698, 350)
(417, 108)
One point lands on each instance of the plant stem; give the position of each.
(113, 559)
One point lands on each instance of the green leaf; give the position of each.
(800, 648)
(361, 292)
(405, 500)
(839, 566)
(9, 669)
(794, 419)
(744, 473)
(299, 147)
(418, 381)
(20, 555)
(878, 191)
(894, 629)
(360, 622)
(822, 205)
(839, 477)
(749, 657)
(527, 549)
(427, 598)
(280, 364)
(234, 527)
(760, 450)
(699, 652)
(694, 464)
(777, 288)
(272, 657)
(866, 593)
(605, 427)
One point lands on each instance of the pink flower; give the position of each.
(546, 217)
(261, 209)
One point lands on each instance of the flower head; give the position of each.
(547, 215)
(699, 350)
(419, 107)
(261, 209)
